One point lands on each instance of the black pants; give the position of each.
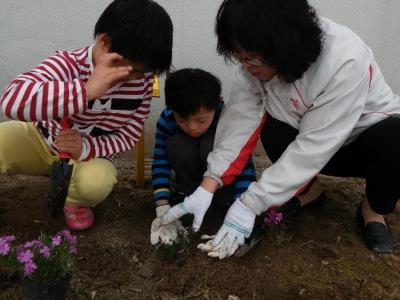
(374, 155)
(188, 158)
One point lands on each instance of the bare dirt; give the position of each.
(325, 258)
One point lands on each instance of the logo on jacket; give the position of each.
(295, 103)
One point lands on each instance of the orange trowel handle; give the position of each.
(65, 123)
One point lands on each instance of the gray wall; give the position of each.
(33, 30)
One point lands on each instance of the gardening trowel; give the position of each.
(60, 178)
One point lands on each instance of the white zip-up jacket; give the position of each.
(340, 95)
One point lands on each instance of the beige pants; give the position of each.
(23, 151)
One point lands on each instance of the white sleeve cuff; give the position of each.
(215, 177)
(162, 209)
(85, 150)
(256, 206)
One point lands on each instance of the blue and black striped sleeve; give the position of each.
(161, 168)
(245, 178)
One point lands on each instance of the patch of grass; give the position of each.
(278, 235)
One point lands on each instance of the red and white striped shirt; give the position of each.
(108, 126)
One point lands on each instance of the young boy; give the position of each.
(104, 89)
(184, 137)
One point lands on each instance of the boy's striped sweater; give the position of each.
(161, 167)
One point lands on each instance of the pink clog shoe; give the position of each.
(78, 217)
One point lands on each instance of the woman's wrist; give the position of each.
(209, 184)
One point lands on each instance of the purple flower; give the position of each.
(25, 256)
(4, 249)
(7, 238)
(273, 218)
(33, 243)
(29, 268)
(180, 252)
(68, 236)
(5, 244)
(35, 257)
(73, 250)
(45, 250)
(56, 241)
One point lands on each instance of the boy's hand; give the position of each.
(107, 73)
(69, 141)
(164, 234)
(196, 204)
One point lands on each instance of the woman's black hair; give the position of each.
(286, 33)
(188, 90)
(140, 30)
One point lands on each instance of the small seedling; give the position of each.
(178, 251)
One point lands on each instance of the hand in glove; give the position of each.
(238, 225)
(164, 234)
(196, 204)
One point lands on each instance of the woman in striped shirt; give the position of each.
(104, 89)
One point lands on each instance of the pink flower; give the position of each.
(5, 244)
(68, 236)
(29, 268)
(4, 249)
(45, 258)
(25, 256)
(56, 241)
(45, 250)
(7, 238)
(73, 250)
(33, 243)
(273, 218)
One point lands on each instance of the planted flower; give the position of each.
(275, 227)
(178, 251)
(45, 264)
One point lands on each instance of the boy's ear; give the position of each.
(104, 41)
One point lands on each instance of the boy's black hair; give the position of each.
(285, 32)
(187, 90)
(140, 30)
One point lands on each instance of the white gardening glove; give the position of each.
(164, 234)
(238, 225)
(196, 204)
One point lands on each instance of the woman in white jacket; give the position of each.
(314, 92)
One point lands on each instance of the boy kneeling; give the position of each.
(184, 137)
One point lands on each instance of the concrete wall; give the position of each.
(33, 30)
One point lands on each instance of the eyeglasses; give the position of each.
(250, 61)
